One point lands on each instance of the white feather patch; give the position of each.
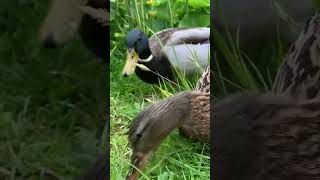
(143, 67)
(195, 33)
(188, 58)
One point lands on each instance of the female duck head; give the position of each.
(153, 125)
(137, 47)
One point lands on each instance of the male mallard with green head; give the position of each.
(189, 111)
(185, 49)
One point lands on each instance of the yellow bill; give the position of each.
(131, 62)
(139, 162)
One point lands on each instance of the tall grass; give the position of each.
(239, 70)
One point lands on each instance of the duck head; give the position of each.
(151, 127)
(61, 24)
(137, 48)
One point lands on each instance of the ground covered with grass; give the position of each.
(177, 157)
(52, 102)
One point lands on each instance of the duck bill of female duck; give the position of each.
(138, 161)
(131, 62)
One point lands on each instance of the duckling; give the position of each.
(185, 49)
(256, 21)
(203, 84)
(67, 18)
(266, 137)
(187, 110)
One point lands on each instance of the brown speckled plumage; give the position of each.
(291, 143)
(203, 84)
(274, 136)
(299, 75)
(198, 126)
(266, 137)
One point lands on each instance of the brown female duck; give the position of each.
(189, 111)
(274, 137)
(266, 137)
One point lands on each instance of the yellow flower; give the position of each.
(149, 2)
(151, 13)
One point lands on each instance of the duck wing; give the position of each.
(188, 58)
(177, 36)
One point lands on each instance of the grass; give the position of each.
(177, 156)
(52, 102)
(245, 68)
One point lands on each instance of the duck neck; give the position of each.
(170, 114)
(160, 68)
(145, 54)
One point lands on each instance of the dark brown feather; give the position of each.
(266, 137)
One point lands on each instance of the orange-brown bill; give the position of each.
(131, 62)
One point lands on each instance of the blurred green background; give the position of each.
(52, 102)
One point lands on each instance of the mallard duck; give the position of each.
(185, 49)
(266, 137)
(189, 111)
(255, 21)
(66, 18)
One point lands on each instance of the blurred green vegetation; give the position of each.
(245, 68)
(52, 102)
(251, 67)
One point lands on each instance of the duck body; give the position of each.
(184, 49)
(161, 67)
(276, 137)
(181, 57)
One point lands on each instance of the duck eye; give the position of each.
(139, 135)
(139, 37)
